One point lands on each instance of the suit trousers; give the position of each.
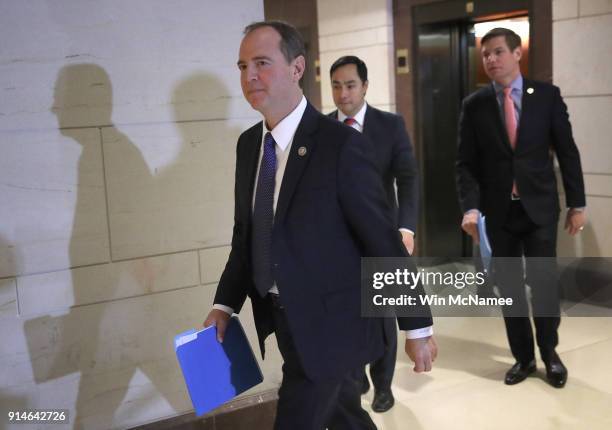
(519, 236)
(314, 405)
(381, 370)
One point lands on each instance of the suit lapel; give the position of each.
(370, 124)
(527, 104)
(300, 153)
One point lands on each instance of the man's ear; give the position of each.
(365, 87)
(518, 53)
(299, 65)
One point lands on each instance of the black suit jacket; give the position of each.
(487, 165)
(331, 211)
(395, 160)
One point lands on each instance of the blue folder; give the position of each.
(216, 372)
(485, 246)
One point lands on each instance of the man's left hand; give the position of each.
(422, 352)
(408, 240)
(574, 221)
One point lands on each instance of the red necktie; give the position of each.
(510, 120)
(350, 121)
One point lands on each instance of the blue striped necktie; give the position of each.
(263, 218)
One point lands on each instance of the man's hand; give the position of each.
(470, 225)
(574, 221)
(219, 319)
(408, 240)
(422, 352)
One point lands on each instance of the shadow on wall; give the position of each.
(11, 398)
(106, 339)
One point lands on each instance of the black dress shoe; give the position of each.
(365, 384)
(519, 372)
(383, 401)
(556, 372)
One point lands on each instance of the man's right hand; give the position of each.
(219, 319)
(470, 225)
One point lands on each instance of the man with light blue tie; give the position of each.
(508, 133)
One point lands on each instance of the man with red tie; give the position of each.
(392, 152)
(508, 133)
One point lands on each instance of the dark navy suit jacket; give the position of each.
(331, 211)
(395, 159)
(487, 165)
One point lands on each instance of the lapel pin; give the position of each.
(302, 151)
(529, 90)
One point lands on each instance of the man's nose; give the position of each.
(251, 73)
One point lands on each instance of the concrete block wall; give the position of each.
(118, 124)
(363, 28)
(582, 67)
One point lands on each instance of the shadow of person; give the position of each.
(203, 169)
(203, 174)
(11, 396)
(80, 341)
(106, 338)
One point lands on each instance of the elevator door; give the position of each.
(442, 56)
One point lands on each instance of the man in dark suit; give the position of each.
(392, 153)
(508, 133)
(308, 205)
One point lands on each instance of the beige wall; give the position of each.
(118, 123)
(363, 28)
(582, 68)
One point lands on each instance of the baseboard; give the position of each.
(256, 411)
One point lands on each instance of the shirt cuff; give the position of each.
(223, 308)
(580, 209)
(471, 210)
(406, 229)
(419, 332)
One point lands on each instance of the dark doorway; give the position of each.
(439, 90)
(447, 69)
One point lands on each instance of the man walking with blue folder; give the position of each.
(308, 205)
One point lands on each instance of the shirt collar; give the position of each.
(516, 85)
(285, 130)
(359, 116)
